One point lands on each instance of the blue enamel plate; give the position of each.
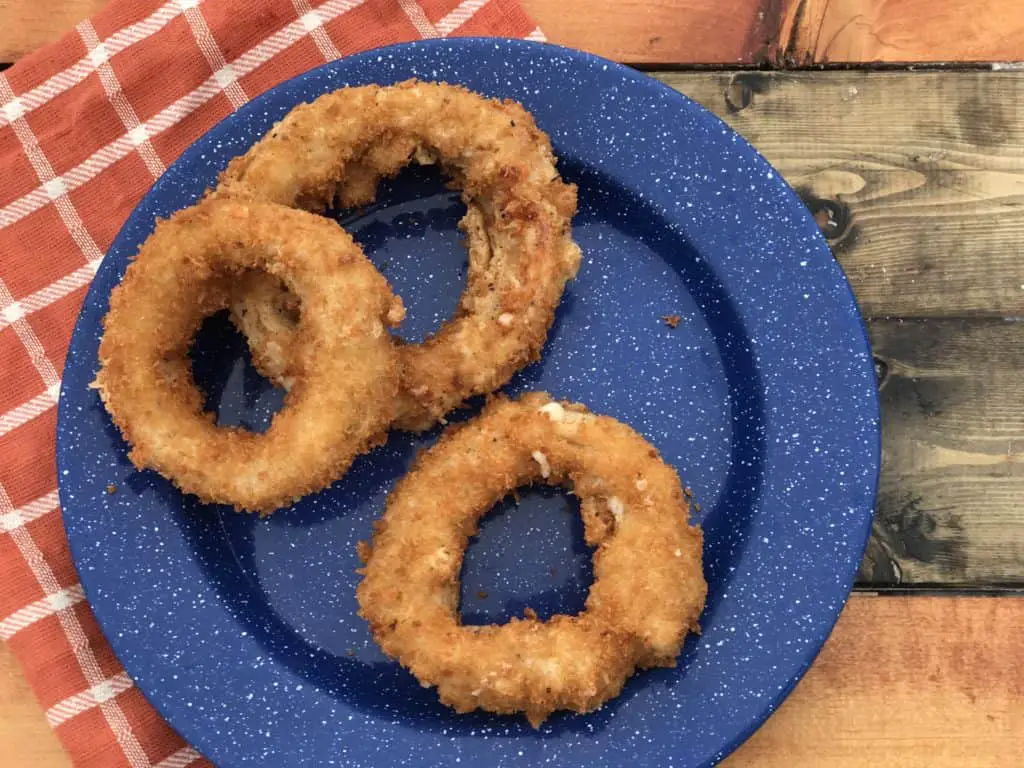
(243, 632)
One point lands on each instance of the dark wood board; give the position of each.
(917, 181)
(916, 178)
(949, 507)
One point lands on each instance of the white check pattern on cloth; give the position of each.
(180, 759)
(314, 24)
(37, 406)
(170, 116)
(31, 511)
(73, 75)
(40, 609)
(459, 16)
(76, 636)
(223, 71)
(53, 189)
(100, 58)
(418, 18)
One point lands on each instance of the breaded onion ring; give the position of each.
(648, 588)
(340, 404)
(521, 252)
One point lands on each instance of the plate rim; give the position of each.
(859, 543)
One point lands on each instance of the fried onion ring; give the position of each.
(648, 588)
(521, 252)
(339, 406)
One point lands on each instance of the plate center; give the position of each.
(291, 579)
(410, 235)
(527, 554)
(222, 369)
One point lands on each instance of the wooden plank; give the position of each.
(24, 733)
(949, 509)
(663, 31)
(857, 31)
(910, 681)
(783, 32)
(916, 178)
(636, 31)
(26, 26)
(918, 182)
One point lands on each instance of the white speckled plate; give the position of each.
(244, 632)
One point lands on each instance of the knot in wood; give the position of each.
(881, 371)
(738, 95)
(833, 217)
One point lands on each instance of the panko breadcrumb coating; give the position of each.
(342, 400)
(517, 225)
(648, 588)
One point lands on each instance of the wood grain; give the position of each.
(917, 178)
(829, 31)
(637, 31)
(26, 25)
(948, 509)
(906, 682)
(917, 681)
(25, 737)
(779, 32)
(661, 31)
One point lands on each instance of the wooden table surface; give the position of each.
(917, 181)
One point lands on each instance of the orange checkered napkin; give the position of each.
(86, 126)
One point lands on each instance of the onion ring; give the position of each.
(519, 210)
(648, 588)
(339, 406)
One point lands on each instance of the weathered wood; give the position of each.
(822, 31)
(636, 31)
(949, 506)
(913, 681)
(917, 178)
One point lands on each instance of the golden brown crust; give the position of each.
(521, 252)
(342, 400)
(648, 588)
